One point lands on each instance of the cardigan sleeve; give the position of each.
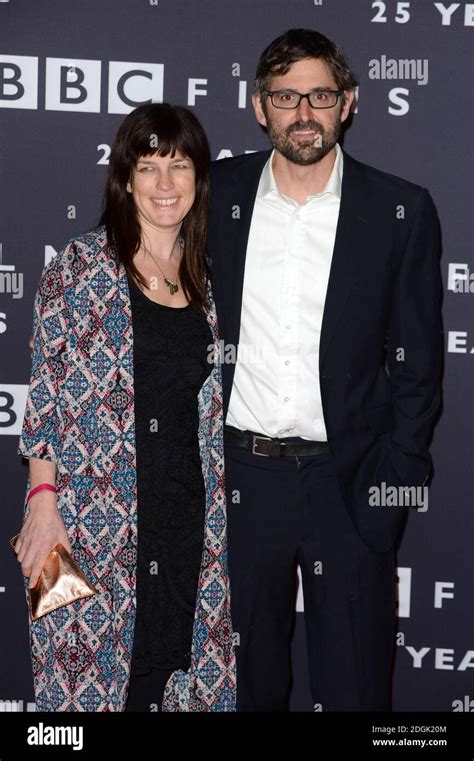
(40, 431)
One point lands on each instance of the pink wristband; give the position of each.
(40, 487)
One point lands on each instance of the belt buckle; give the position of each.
(254, 442)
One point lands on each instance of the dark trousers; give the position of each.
(145, 692)
(287, 512)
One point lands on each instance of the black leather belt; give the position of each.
(271, 447)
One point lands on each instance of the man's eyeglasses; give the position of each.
(316, 98)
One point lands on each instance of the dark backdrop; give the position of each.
(63, 94)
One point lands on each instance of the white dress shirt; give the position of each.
(276, 388)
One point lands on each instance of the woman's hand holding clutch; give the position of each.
(42, 529)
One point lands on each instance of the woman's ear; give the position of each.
(129, 187)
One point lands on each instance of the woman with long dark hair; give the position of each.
(123, 431)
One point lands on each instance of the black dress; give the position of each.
(171, 349)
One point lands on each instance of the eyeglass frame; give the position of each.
(302, 95)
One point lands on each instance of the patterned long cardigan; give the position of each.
(80, 415)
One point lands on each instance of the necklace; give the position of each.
(172, 284)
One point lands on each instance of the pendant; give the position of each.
(172, 286)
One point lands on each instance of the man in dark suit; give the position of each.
(327, 285)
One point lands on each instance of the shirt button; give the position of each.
(288, 327)
(298, 216)
(286, 399)
(287, 361)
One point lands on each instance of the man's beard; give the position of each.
(304, 152)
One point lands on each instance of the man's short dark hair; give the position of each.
(295, 45)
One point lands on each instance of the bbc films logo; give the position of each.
(75, 85)
(91, 86)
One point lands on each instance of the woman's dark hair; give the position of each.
(158, 128)
(295, 45)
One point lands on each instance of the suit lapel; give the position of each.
(351, 248)
(244, 190)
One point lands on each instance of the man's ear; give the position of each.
(349, 98)
(257, 107)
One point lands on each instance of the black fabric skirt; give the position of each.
(145, 691)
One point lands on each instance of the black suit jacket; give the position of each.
(381, 339)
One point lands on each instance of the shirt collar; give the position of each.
(268, 186)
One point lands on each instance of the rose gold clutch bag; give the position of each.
(61, 582)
